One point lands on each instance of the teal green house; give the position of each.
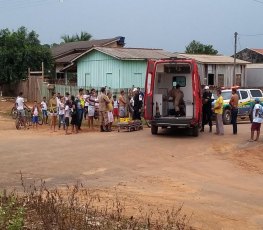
(116, 68)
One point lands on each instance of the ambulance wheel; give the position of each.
(196, 131)
(154, 129)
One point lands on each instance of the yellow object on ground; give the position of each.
(125, 119)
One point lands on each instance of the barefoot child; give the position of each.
(44, 110)
(35, 111)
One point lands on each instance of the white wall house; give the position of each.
(254, 75)
(218, 70)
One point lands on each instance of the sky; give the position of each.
(166, 24)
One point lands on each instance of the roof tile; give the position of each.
(260, 51)
(213, 59)
(133, 53)
(79, 46)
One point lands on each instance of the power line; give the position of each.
(251, 35)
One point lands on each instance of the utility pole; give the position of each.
(235, 58)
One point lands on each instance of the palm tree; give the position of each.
(84, 36)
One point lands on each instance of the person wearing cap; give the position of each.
(207, 109)
(234, 109)
(257, 120)
(137, 105)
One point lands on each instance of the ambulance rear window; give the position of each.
(179, 80)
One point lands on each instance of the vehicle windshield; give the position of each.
(226, 95)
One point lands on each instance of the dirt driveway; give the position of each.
(218, 179)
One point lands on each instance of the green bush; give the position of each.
(11, 212)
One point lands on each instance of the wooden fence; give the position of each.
(31, 88)
(34, 88)
(47, 89)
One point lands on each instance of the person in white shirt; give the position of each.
(91, 109)
(61, 113)
(86, 105)
(20, 106)
(115, 108)
(257, 120)
(44, 110)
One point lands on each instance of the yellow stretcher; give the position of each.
(129, 124)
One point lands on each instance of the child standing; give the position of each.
(115, 108)
(35, 111)
(61, 113)
(44, 110)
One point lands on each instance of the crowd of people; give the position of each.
(63, 111)
(217, 109)
(70, 110)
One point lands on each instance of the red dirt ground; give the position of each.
(219, 180)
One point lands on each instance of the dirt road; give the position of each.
(218, 179)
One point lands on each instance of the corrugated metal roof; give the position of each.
(132, 53)
(212, 59)
(80, 45)
(255, 66)
(260, 51)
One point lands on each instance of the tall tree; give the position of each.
(196, 47)
(20, 50)
(84, 36)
